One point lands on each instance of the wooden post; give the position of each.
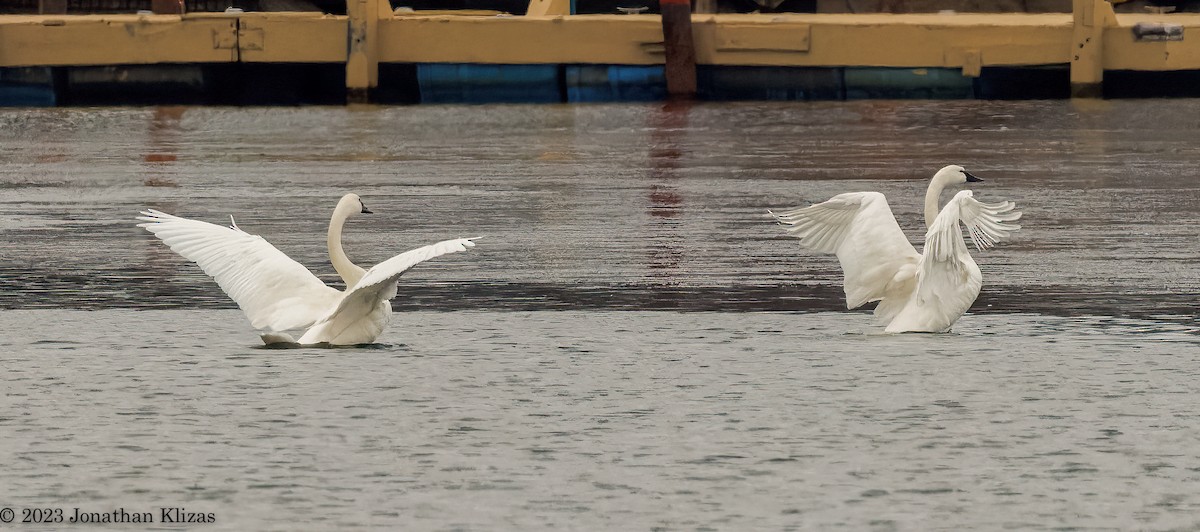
(1087, 46)
(52, 7)
(680, 49)
(167, 7)
(362, 60)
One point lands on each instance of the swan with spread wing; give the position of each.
(917, 292)
(279, 295)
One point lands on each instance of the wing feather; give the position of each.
(987, 223)
(948, 280)
(275, 292)
(376, 286)
(861, 230)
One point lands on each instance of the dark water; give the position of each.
(557, 376)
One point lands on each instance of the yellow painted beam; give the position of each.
(783, 40)
(968, 41)
(1123, 52)
(615, 39)
(57, 40)
(292, 38)
(928, 40)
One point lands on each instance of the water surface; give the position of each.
(633, 345)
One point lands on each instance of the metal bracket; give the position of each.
(1157, 31)
(972, 63)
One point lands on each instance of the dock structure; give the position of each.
(547, 54)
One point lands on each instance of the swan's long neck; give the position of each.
(349, 272)
(931, 200)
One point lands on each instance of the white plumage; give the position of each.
(916, 292)
(278, 294)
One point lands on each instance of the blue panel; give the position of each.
(479, 83)
(26, 96)
(615, 83)
(908, 83)
(27, 87)
(768, 83)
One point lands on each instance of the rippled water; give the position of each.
(631, 346)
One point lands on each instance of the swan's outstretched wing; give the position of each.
(948, 280)
(275, 292)
(986, 224)
(356, 309)
(860, 228)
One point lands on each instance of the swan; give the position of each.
(278, 294)
(917, 292)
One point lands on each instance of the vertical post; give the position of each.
(362, 60)
(1087, 46)
(52, 7)
(681, 51)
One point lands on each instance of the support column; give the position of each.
(680, 49)
(1087, 46)
(362, 61)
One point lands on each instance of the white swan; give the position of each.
(916, 292)
(278, 294)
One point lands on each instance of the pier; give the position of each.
(373, 53)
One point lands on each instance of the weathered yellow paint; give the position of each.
(785, 40)
(741, 37)
(1092, 40)
(928, 40)
(1123, 52)
(972, 63)
(614, 39)
(56, 40)
(1090, 17)
(362, 62)
(292, 38)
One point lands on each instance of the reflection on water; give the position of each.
(621, 206)
(668, 124)
(523, 385)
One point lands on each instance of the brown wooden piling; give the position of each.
(680, 49)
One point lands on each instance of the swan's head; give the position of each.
(955, 175)
(352, 204)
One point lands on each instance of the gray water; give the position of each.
(632, 346)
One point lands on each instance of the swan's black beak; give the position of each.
(366, 210)
(970, 178)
